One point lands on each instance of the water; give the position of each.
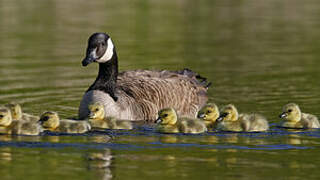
(259, 55)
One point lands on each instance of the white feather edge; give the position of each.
(109, 52)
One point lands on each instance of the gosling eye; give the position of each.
(209, 111)
(290, 110)
(165, 115)
(1, 116)
(97, 109)
(224, 114)
(45, 118)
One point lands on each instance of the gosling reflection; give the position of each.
(6, 154)
(99, 138)
(100, 162)
(168, 139)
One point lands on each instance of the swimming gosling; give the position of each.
(230, 120)
(294, 118)
(17, 114)
(97, 119)
(51, 121)
(10, 126)
(209, 114)
(168, 122)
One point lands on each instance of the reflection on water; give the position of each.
(100, 162)
(259, 55)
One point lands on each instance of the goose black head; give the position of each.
(100, 49)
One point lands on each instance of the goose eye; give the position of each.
(103, 44)
(290, 110)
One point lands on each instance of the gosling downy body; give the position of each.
(17, 114)
(230, 120)
(168, 122)
(51, 121)
(294, 118)
(209, 114)
(98, 119)
(10, 126)
(138, 94)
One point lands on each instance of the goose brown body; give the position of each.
(140, 94)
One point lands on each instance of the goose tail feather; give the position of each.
(198, 78)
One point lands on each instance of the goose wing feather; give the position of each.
(142, 93)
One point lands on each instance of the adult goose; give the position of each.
(138, 94)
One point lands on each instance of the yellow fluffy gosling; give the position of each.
(230, 120)
(209, 114)
(51, 121)
(168, 122)
(10, 126)
(17, 114)
(97, 119)
(294, 118)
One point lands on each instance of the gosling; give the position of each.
(209, 114)
(51, 121)
(230, 120)
(10, 126)
(168, 122)
(98, 120)
(294, 118)
(17, 114)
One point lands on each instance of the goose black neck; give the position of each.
(107, 78)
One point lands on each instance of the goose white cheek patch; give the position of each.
(109, 52)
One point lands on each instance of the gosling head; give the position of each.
(5, 117)
(16, 111)
(50, 120)
(100, 49)
(167, 116)
(96, 111)
(209, 112)
(229, 113)
(291, 112)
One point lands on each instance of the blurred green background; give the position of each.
(259, 55)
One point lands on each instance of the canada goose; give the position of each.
(98, 119)
(230, 120)
(51, 121)
(139, 94)
(209, 114)
(294, 118)
(168, 122)
(10, 126)
(17, 114)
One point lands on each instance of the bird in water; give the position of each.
(138, 94)
(168, 122)
(231, 120)
(294, 118)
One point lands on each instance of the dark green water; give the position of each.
(259, 55)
